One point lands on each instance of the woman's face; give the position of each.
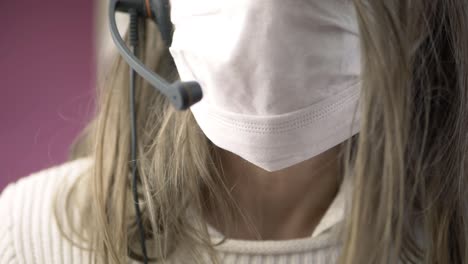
(282, 78)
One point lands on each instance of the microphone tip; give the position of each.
(186, 94)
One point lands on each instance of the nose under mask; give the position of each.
(280, 79)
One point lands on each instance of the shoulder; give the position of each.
(29, 232)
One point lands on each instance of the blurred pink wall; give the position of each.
(46, 81)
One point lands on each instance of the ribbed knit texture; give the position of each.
(29, 232)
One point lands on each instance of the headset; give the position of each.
(182, 95)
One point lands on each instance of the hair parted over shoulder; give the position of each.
(408, 162)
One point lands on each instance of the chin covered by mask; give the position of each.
(280, 79)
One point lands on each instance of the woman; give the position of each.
(394, 192)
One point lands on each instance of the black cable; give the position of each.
(133, 31)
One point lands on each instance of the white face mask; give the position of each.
(280, 79)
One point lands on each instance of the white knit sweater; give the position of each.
(29, 233)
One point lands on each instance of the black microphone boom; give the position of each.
(181, 94)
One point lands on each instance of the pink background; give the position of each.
(46, 82)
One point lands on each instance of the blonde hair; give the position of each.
(408, 164)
